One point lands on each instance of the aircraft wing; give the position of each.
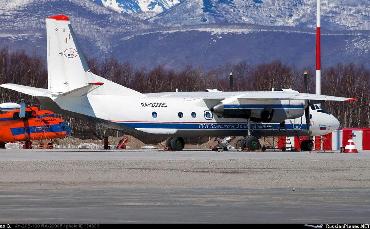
(292, 96)
(315, 97)
(251, 95)
(267, 106)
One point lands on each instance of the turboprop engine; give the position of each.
(261, 112)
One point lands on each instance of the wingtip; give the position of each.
(351, 100)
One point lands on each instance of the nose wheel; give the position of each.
(307, 145)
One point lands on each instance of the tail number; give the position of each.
(153, 104)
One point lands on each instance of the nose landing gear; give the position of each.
(307, 145)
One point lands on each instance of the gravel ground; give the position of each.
(191, 169)
(62, 186)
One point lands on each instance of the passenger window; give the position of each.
(193, 114)
(208, 115)
(180, 114)
(154, 115)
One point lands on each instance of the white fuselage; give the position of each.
(188, 116)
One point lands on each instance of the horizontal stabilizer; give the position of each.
(33, 91)
(82, 91)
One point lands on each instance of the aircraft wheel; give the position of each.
(177, 144)
(240, 144)
(307, 145)
(2, 145)
(168, 144)
(250, 143)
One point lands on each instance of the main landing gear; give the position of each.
(175, 144)
(249, 143)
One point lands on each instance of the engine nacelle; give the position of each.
(261, 112)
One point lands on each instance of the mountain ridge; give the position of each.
(105, 33)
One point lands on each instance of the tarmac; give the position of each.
(152, 186)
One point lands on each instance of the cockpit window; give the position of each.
(313, 107)
(323, 111)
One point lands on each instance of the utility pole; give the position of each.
(305, 81)
(318, 48)
(231, 81)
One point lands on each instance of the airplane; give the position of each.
(21, 123)
(74, 89)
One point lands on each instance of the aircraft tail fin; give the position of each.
(67, 67)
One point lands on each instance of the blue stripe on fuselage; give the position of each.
(213, 126)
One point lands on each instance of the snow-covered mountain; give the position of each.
(143, 8)
(205, 33)
(23, 21)
(337, 14)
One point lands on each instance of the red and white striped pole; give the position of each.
(318, 50)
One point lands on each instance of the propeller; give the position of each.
(307, 109)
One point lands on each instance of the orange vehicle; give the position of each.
(32, 124)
